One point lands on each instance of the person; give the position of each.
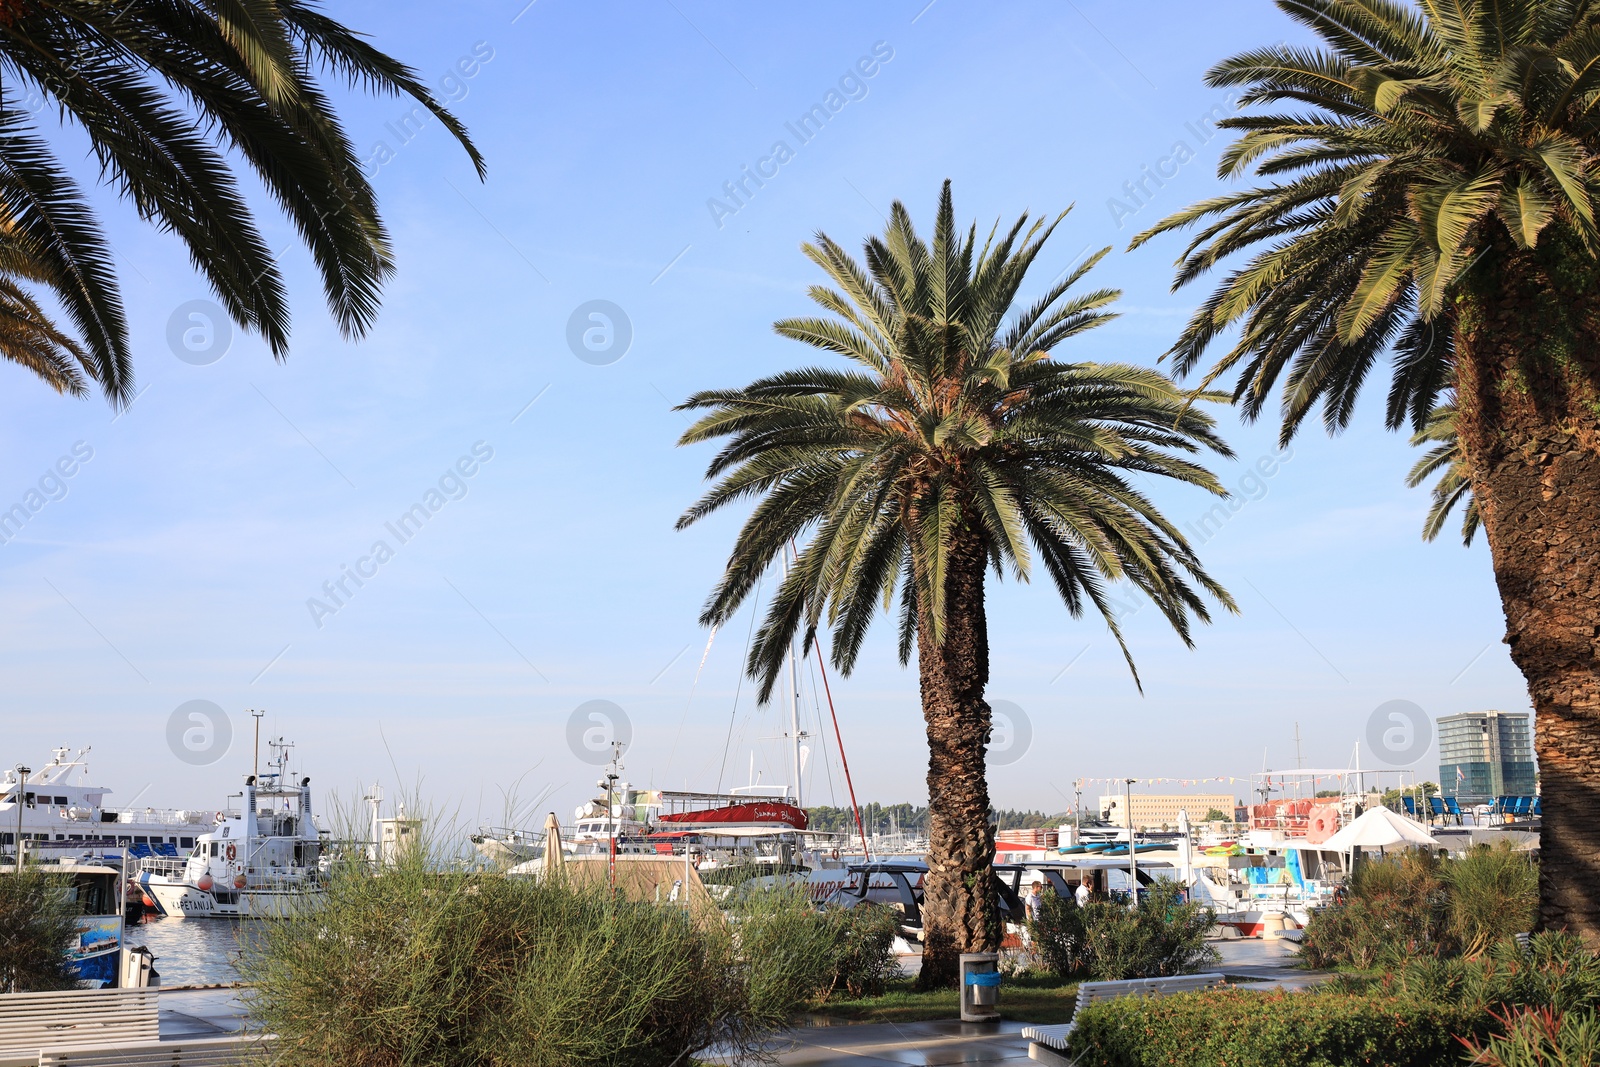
(1083, 892)
(1035, 901)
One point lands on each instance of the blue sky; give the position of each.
(180, 561)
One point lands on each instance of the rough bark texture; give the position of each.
(958, 910)
(1528, 363)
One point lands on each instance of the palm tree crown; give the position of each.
(162, 89)
(1429, 136)
(954, 422)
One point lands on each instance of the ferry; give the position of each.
(263, 860)
(61, 804)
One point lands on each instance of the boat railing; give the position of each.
(165, 866)
(156, 816)
(282, 877)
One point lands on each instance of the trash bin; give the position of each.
(980, 986)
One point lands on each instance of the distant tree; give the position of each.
(1214, 815)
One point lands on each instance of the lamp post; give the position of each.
(22, 782)
(1133, 853)
(609, 783)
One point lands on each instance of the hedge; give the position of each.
(1237, 1028)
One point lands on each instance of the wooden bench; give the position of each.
(30, 1022)
(1047, 1043)
(203, 1052)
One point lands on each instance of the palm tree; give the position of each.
(164, 91)
(1430, 193)
(953, 443)
(1453, 486)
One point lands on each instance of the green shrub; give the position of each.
(1541, 1038)
(796, 954)
(1554, 971)
(1108, 941)
(1494, 893)
(1417, 905)
(38, 927)
(419, 966)
(1233, 1027)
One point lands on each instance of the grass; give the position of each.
(1025, 998)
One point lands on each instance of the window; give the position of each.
(62, 801)
(186, 842)
(141, 840)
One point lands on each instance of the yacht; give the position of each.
(263, 860)
(59, 803)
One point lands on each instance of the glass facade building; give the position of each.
(1486, 754)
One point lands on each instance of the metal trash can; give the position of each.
(980, 986)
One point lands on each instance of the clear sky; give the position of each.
(179, 562)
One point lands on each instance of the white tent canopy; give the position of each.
(1378, 827)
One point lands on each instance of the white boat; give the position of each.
(61, 804)
(264, 860)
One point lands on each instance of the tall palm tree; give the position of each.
(953, 443)
(1454, 486)
(165, 91)
(1430, 192)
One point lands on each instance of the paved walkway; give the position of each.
(897, 1044)
(1266, 964)
(191, 1013)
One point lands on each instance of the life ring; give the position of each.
(218, 818)
(232, 852)
(835, 853)
(1323, 824)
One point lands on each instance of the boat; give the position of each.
(264, 860)
(97, 953)
(61, 804)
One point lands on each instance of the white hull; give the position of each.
(180, 900)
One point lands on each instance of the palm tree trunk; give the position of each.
(1528, 384)
(958, 909)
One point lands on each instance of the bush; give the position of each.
(1108, 941)
(420, 966)
(796, 954)
(1494, 893)
(1541, 1038)
(1232, 1027)
(38, 927)
(1418, 905)
(1554, 971)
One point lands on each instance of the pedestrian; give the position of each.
(1083, 892)
(1035, 901)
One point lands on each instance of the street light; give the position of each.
(22, 781)
(1133, 853)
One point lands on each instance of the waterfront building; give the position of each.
(1486, 754)
(1155, 810)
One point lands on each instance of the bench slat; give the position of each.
(205, 1052)
(32, 1021)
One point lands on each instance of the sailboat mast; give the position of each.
(794, 709)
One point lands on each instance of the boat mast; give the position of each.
(794, 707)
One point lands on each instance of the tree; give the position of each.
(953, 443)
(164, 90)
(38, 927)
(1218, 816)
(1430, 194)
